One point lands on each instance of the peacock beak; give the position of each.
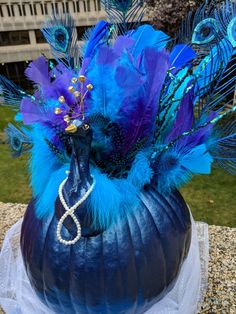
(72, 128)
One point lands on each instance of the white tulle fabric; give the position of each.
(17, 296)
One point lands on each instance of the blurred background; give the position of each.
(212, 198)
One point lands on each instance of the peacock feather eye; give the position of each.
(61, 38)
(122, 5)
(231, 31)
(205, 31)
(16, 143)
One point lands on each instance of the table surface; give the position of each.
(221, 294)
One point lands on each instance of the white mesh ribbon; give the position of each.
(17, 296)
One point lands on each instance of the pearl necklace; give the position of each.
(70, 212)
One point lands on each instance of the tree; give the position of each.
(168, 15)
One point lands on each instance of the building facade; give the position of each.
(20, 36)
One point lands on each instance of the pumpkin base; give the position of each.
(17, 294)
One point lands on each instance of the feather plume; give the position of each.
(10, 94)
(37, 72)
(158, 107)
(60, 32)
(181, 55)
(18, 139)
(125, 14)
(222, 145)
(100, 34)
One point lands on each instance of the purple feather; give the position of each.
(128, 80)
(32, 112)
(200, 136)
(138, 111)
(123, 43)
(37, 71)
(106, 56)
(156, 64)
(59, 87)
(184, 118)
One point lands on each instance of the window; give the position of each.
(23, 10)
(45, 9)
(88, 5)
(31, 9)
(65, 7)
(1, 13)
(81, 30)
(34, 9)
(8, 10)
(13, 38)
(19, 8)
(15, 72)
(12, 11)
(77, 6)
(55, 8)
(39, 37)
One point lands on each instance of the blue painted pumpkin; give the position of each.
(124, 269)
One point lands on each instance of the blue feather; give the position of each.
(212, 67)
(176, 166)
(118, 201)
(181, 55)
(122, 5)
(47, 172)
(121, 195)
(146, 37)
(140, 173)
(231, 31)
(205, 32)
(60, 32)
(101, 29)
(10, 94)
(19, 140)
(125, 14)
(222, 145)
(227, 19)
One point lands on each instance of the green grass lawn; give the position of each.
(211, 198)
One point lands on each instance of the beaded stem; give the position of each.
(70, 212)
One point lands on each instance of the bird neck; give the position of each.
(78, 183)
(79, 179)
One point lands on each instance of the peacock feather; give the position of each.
(126, 15)
(60, 32)
(161, 109)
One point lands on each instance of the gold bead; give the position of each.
(61, 99)
(71, 89)
(89, 87)
(81, 78)
(58, 110)
(71, 128)
(76, 93)
(67, 118)
(74, 80)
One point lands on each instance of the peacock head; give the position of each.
(80, 130)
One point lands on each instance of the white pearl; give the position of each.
(70, 212)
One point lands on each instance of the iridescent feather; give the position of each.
(11, 95)
(19, 140)
(126, 15)
(60, 32)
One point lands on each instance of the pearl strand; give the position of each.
(70, 212)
